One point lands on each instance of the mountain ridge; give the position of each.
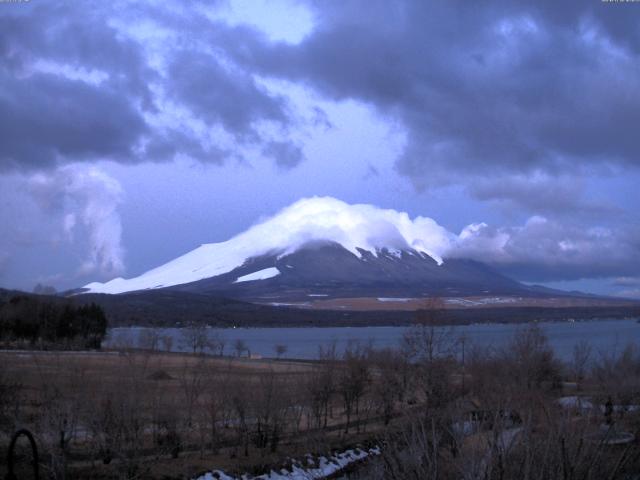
(323, 247)
(357, 228)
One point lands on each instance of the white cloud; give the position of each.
(88, 200)
(630, 293)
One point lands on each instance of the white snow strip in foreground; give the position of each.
(259, 275)
(311, 469)
(390, 299)
(586, 404)
(575, 403)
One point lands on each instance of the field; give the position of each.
(165, 394)
(143, 414)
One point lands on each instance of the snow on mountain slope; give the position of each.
(259, 275)
(314, 219)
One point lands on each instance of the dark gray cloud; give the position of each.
(48, 117)
(219, 95)
(168, 144)
(285, 154)
(561, 195)
(74, 87)
(75, 35)
(483, 90)
(46, 120)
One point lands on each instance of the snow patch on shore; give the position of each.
(319, 468)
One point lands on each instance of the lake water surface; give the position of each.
(603, 335)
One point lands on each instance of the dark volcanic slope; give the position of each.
(331, 270)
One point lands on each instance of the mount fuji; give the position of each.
(323, 247)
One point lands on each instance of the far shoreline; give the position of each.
(437, 325)
(386, 318)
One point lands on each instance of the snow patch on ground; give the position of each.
(390, 252)
(586, 404)
(320, 468)
(259, 275)
(480, 301)
(391, 299)
(287, 304)
(576, 403)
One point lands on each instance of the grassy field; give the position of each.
(162, 392)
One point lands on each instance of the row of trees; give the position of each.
(45, 322)
(196, 339)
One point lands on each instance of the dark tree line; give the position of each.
(30, 319)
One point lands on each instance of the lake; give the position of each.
(303, 343)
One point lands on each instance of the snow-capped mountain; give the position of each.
(329, 247)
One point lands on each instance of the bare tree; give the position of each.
(580, 360)
(239, 399)
(195, 338)
(618, 374)
(427, 340)
(167, 342)
(270, 406)
(240, 347)
(125, 422)
(149, 339)
(531, 358)
(217, 342)
(192, 383)
(320, 385)
(217, 404)
(352, 381)
(280, 350)
(430, 347)
(60, 413)
(388, 386)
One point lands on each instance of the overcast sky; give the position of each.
(132, 132)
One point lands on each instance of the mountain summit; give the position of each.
(323, 247)
(359, 229)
